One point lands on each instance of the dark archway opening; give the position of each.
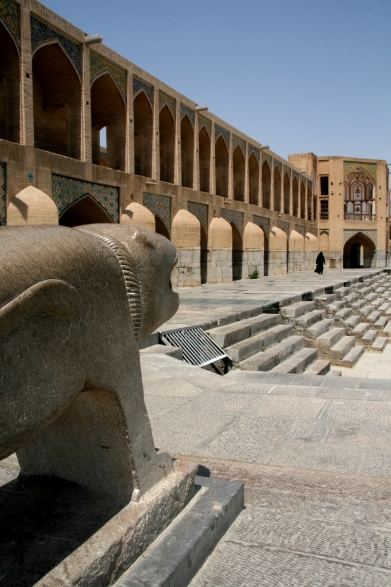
(287, 195)
(253, 179)
(295, 197)
(161, 228)
(277, 190)
(57, 102)
(84, 211)
(143, 129)
(187, 152)
(302, 201)
(222, 163)
(266, 185)
(9, 88)
(359, 251)
(204, 256)
(238, 165)
(309, 204)
(167, 145)
(237, 254)
(204, 159)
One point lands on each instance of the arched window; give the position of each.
(359, 195)
(222, 162)
(9, 87)
(266, 185)
(187, 151)
(143, 129)
(253, 179)
(204, 159)
(287, 194)
(277, 190)
(167, 145)
(238, 173)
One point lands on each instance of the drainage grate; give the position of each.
(197, 347)
(271, 308)
(346, 283)
(307, 296)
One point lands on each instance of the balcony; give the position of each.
(360, 217)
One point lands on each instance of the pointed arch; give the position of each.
(31, 206)
(287, 193)
(138, 215)
(222, 164)
(204, 159)
(237, 253)
(57, 102)
(359, 251)
(253, 179)
(309, 203)
(302, 200)
(161, 228)
(84, 211)
(187, 151)
(295, 197)
(9, 87)
(186, 236)
(186, 230)
(324, 241)
(167, 145)
(238, 165)
(277, 189)
(219, 251)
(266, 185)
(143, 134)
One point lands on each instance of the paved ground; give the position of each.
(370, 365)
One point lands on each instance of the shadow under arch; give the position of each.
(161, 228)
(84, 211)
(237, 253)
(9, 87)
(359, 251)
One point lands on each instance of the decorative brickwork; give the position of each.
(252, 149)
(67, 191)
(370, 168)
(263, 223)
(99, 65)
(238, 141)
(3, 193)
(138, 85)
(202, 121)
(200, 211)
(285, 226)
(165, 100)
(267, 158)
(277, 163)
(9, 16)
(234, 216)
(159, 206)
(300, 229)
(219, 130)
(190, 113)
(349, 232)
(41, 33)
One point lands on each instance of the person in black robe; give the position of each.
(320, 261)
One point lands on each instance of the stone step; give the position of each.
(341, 292)
(324, 300)
(357, 305)
(319, 367)
(171, 351)
(265, 361)
(329, 339)
(365, 311)
(343, 315)
(377, 303)
(334, 307)
(370, 297)
(380, 289)
(360, 330)
(387, 331)
(298, 362)
(260, 342)
(334, 373)
(230, 334)
(384, 307)
(365, 290)
(368, 338)
(351, 358)
(374, 317)
(381, 323)
(293, 311)
(379, 345)
(339, 350)
(352, 322)
(318, 329)
(308, 320)
(351, 298)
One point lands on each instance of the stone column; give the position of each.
(291, 193)
(212, 186)
(260, 191)
(86, 139)
(272, 186)
(230, 170)
(129, 160)
(246, 176)
(196, 155)
(156, 137)
(177, 157)
(26, 81)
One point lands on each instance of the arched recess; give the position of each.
(84, 211)
(143, 133)
(138, 215)
(287, 193)
(31, 206)
(237, 253)
(9, 87)
(309, 203)
(359, 251)
(108, 110)
(253, 179)
(204, 159)
(296, 241)
(238, 165)
(57, 102)
(277, 190)
(254, 249)
(311, 250)
(278, 252)
(296, 255)
(187, 151)
(295, 197)
(302, 200)
(222, 163)
(161, 228)
(266, 185)
(324, 241)
(186, 236)
(186, 230)
(219, 251)
(167, 145)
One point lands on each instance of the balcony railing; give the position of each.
(361, 217)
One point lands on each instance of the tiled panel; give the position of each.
(202, 121)
(170, 102)
(41, 33)
(252, 149)
(349, 232)
(238, 141)
(277, 163)
(99, 65)
(159, 206)
(9, 16)
(267, 158)
(200, 211)
(300, 229)
(190, 113)
(235, 217)
(285, 226)
(139, 84)
(263, 223)
(370, 168)
(219, 130)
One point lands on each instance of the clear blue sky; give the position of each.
(299, 75)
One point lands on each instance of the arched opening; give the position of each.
(302, 200)
(237, 253)
(311, 250)
(220, 251)
(31, 206)
(9, 88)
(204, 256)
(296, 255)
(278, 252)
(103, 147)
(161, 228)
(295, 197)
(266, 185)
(360, 196)
(324, 241)
(84, 211)
(277, 190)
(222, 163)
(359, 251)
(287, 193)
(253, 179)
(143, 129)
(309, 203)
(57, 102)
(167, 145)
(238, 173)
(108, 110)
(254, 250)
(138, 215)
(187, 151)
(204, 159)
(186, 236)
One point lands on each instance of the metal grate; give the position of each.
(197, 347)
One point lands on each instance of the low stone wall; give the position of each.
(253, 261)
(219, 266)
(277, 262)
(187, 272)
(296, 261)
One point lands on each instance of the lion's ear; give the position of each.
(52, 296)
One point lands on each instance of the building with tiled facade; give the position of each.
(230, 205)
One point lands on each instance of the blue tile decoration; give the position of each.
(234, 216)
(370, 168)
(206, 122)
(139, 85)
(220, 131)
(300, 229)
(200, 211)
(190, 113)
(349, 232)
(41, 33)
(263, 222)
(99, 65)
(159, 206)
(285, 226)
(277, 163)
(252, 149)
(9, 16)
(30, 176)
(165, 100)
(66, 191)
(3, 193)
(238, 141)
(266, 157)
